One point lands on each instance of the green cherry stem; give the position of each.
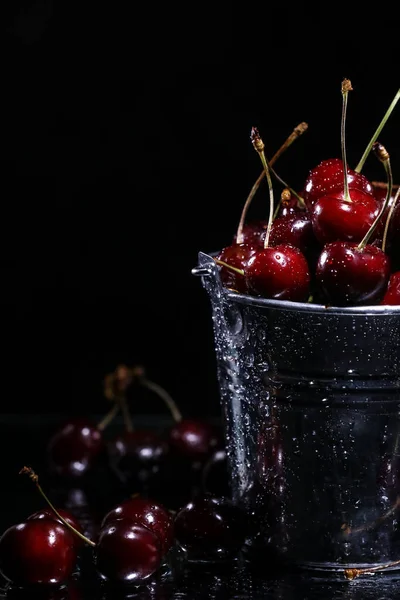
(385, 231)
(224, 264)
(296, 133)
(258, 145)
(32, 475)
(346, 88)
(377, 132)
(382, 154)
(106, 420)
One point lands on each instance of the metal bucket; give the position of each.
(311, 404)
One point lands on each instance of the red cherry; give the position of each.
(351, 276)
(296, 230)
(194, 439)
(146, 512)
(279, 272)
(127, 552)
(236, 255)
(37, 552)
(327, 177)
(49, 514)
(137, 452)
(253, 233)
(74, 448)
(210, 528)
(392, 294)
(335, 219)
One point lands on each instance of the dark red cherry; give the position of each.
(349, 276)
(392, 294)
(280, 272)
(334, 219)
(296, 230)
(236, 255)
(48, 514)
(327, 177)
(146, 512)
(253, 233)
(37, 552)
(194, 439)
(127, 552)
(74, 448)
(210, 528)
(134, 452)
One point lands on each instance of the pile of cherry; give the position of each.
(133, 539)
(335, 243)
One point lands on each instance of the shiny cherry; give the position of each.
(280, 272)
(49, 514)
(74, 448)
(194, 439)
(210, 528)
(296, 230)
(236, 255)
(348, 275)
(138, 454)
(127, 552)
(392, 293)
(253, 233)
(327, 177)
(336, 219)
(146, 512)
(37, 552)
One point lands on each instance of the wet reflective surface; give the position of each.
(23, 440)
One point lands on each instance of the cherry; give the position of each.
(327, 177)
(74, 448)
(296, 230)
(193, 438)
(49, 514)
(392, 293)
(138, 451)
(350, 275)
(146, 512)
(334, 218)
(237, 256)
(253, 234)
(210, 528)
(127, 552)
(279, 272)
(37, 552)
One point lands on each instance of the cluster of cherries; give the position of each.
(336, 243)
(136, 535)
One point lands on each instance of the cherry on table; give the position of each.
(146, 512)
(194, 439)
(49, 514)
(210, 528)
(37, 552)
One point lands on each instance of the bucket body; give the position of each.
(310, 398)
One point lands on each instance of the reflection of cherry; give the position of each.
(392, 294)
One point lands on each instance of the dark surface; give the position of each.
(23, 441)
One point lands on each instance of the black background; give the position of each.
(125, 150)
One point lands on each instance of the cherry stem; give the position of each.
(383, 156)
(224, 264)
(105, 421)
(126, 415)
(259, 147)
(32, 475)
(346, 88)
(140, 375)
(296, 133)
(377, 132)
(385, 231)
(353, 573)
(347, 530)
